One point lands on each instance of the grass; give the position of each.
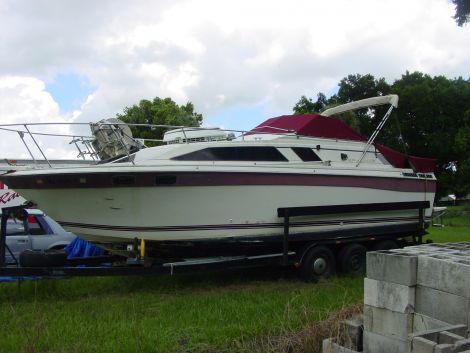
(199, 313)
(242, 311)
(456, 226)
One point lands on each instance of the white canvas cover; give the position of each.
(363, 103)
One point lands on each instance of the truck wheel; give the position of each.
(352, 259)
(318, 263)
(385, 245)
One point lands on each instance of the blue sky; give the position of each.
(70, 91)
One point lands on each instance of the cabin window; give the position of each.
(165, 179)
(306, 154)
(123, 179)
(253, 154)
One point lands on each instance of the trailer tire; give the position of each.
(352, 259)
(51, 258)
(318, 263)
(385, 245)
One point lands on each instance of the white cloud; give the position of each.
(221, 54)
(24, 100)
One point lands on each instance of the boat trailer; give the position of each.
(285, 258)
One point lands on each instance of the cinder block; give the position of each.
(462, 345)
(375, 343)
(433, 335)
(391, 296)
(438, 342)
(330, 346)
(444, 348)
(388, 323)
(422, 345)
(425, 323)
(392, 267)
(350, 333)
(445, 275)
(442, 306)
(468, 316)
(448, 337)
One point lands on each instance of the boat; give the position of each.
(205, 192)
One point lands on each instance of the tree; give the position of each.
(356, 87)
(432, 113)
(432, 120)
(462, 144)
(351, 88)
(462, 11)
(308, 106)
(159, 112)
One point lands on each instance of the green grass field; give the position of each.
(199, 313)
(243, 311)
(456, 226)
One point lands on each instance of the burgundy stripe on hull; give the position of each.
(236, 226)
(152, 179)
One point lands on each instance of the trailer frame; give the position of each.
(284, 258)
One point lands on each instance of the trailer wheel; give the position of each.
(318, 263)
(352, 259)
(32, 258)
(385, 245)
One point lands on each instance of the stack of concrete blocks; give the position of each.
(349, 339)
(417, 299)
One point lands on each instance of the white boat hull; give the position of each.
(209, 212)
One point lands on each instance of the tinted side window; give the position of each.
(123, 180)
(256, 154)
(306, 154)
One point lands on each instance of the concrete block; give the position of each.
(376, 343)
(391, 296)
(442, 306)
(422, 345)
(433, 334)
(468, 315)
(388, 323)
(350, 333)
(448, 337)
(392, 267)
(439, 341)
(443, 274)
(424, 323)
(330, 346)
(444, 348)
(447, 334)
(461, 330)
(462, 345)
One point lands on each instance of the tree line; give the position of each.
(432, 119)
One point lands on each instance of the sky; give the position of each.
(239, 62)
